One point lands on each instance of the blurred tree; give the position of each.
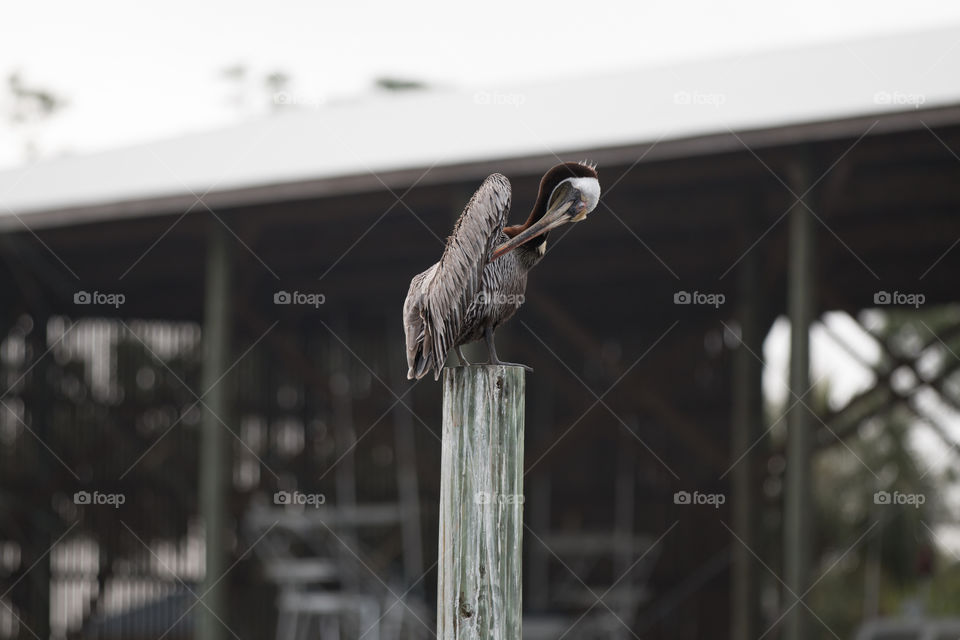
(235, 77)
(856, 489)
(276, 84)
(389, 83)
(245, 89)
(876, 477)
(31, 107)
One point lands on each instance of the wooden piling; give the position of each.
(481, 504)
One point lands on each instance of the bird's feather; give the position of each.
(438, 298)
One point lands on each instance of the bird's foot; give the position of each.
(512, 364)
(492, 352)
(463, 360)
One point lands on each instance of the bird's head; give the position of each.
(568, 192)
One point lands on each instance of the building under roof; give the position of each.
(789, 182)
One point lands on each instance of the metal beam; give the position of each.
(214, 447)
(797, 504)
(747, 418)
(37, 550)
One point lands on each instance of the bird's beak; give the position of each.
(560, 212)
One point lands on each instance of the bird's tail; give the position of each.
(419, 352)
(421, 366)
(419, 359)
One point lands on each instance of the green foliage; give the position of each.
(399, 84)
(894, 566)
(31, 103)
(31, 106)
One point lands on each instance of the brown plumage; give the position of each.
(481, 277)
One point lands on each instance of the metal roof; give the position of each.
(360, 145)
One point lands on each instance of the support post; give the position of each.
(214, 447)
(540, 505)
(408, 488)
(797, 502)
(746, 428)
(481, 504)
(36, 551)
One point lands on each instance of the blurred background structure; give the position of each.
(206, 430)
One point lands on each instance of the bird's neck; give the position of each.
(532, 252)
(539, 208)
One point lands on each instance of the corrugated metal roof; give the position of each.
(387, 133)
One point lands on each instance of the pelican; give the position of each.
(480, 280)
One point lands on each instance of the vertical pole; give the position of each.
(408, 488)
(797, 505)
(539, 513)
(747, 418)
(625, 555)
(872, 574)
(345, 440)
(214, 453)
(37, 550)
(481, 504)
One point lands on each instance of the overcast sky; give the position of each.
(131, 73)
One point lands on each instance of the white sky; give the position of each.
(131, 74)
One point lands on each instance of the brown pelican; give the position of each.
(481, 277)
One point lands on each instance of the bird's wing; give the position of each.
(455, 282)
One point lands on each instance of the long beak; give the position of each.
(556, 216)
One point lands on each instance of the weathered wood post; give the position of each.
(481, 504)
